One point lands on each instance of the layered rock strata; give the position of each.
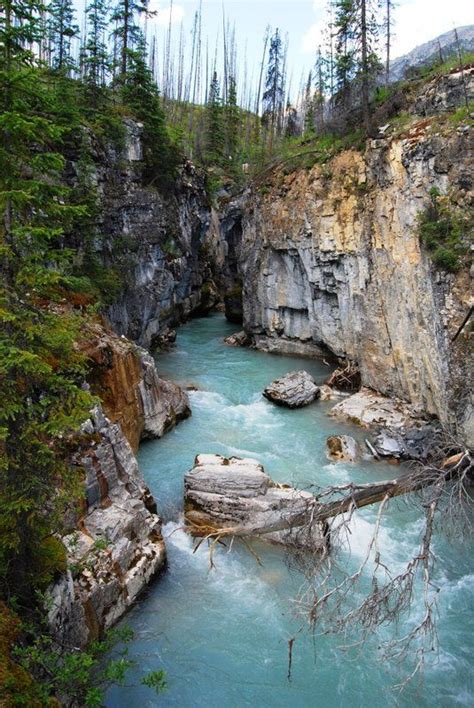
(125, 378)
(117, 546)
(158, 243)
(221, 493)
(331, 257)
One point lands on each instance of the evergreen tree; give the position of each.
(127, 34)
(345, 60)
(62, 29)
(291, 121)
(140, 92)
(232, 120)
(273, 94)
(357, 32)
(95, 56)
(320, 78)
(309, 112)
(40, 370)
(388, 25)
(215, 138)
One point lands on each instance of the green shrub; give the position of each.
(441, 230)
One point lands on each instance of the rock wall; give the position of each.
(157, 241)
(117, 547)
(331, 257)
(125, 378)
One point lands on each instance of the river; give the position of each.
(222, 635)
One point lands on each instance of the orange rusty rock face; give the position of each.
(115, 375)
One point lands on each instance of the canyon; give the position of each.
(322, 262)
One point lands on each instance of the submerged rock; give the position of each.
(342, 448)
(239, 339)
(294, 390)
(221, 493)
(368, 408)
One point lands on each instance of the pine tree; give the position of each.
(127, 34)
(320, 68)
(232, 120)
(214, 139)
(95, 53)
(140, 92)
(345, 62)
(309, 112)
(388, 25)
(62, 28)
(357, 30)
(273, 94)
(291, 121)
(40, 371)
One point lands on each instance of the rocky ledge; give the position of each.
(125, 378)
(220, 493)
(116, 547)
(294, 390)
(368, 408)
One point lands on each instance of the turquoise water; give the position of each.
(222, 635)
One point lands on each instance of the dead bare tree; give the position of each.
(358, 604)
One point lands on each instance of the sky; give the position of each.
(416, 21)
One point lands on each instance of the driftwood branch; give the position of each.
(355, 497)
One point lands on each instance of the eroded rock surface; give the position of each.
(239, 339)
(117, 547)
(331, 256)
(221, 492)
(368, 408)
(294, 390)
(132, 394)
(342, 448)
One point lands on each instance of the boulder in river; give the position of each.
(409, 444)
(294, 390)
(224, 492)
(239, 339)
(342, 448)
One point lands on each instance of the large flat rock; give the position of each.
(368, 408)
(224, 492)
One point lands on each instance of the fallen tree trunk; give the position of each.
(316, 513)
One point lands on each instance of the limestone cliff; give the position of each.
(156, 241)
(331, 256)
(124, 376)
(117, 546)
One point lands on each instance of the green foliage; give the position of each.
(139, 91)
(61, 29)
(80, 677)
(155, 680)
(215, 136)
(441, 230)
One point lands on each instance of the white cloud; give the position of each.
(313, 37)
(162, 17)
(416, 22)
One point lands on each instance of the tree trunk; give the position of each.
(365, 65)
(356, 498)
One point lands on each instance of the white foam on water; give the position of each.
(209, 400)
(255, 414)
(230, 577)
